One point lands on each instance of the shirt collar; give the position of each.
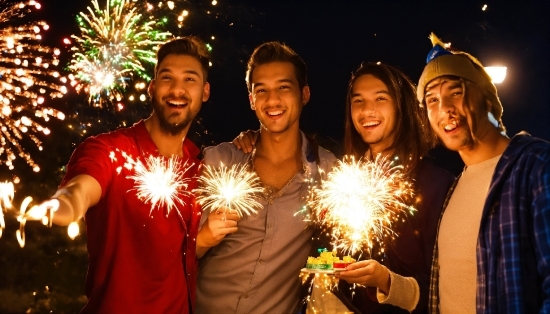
(147, 146)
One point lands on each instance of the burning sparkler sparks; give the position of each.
(43, 212)
(115, 45)
(231, 187)
(160, 181)
(360, 200)
(6, 198)
(26, 79)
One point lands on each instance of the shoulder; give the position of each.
(430, 168)
(325, 154)
(326, 159)
(525, 150)
(428, 172)
(112, 138)
(226, 153)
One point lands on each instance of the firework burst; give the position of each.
(26, 79)
(359, 202)
(115, 44)
(231, 187)
(160, 181)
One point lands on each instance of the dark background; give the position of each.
(333, 37)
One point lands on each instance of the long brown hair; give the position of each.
(413, 134)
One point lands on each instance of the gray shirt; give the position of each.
(256, 269)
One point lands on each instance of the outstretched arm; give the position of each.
(74, 199)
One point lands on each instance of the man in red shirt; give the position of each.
(141, 257)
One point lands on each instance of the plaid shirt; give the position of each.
(513, 249)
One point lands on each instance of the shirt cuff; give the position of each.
(404, 292)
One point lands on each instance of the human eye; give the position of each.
(430, 100)
(457, 92)
(356, 100)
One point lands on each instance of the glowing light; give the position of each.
(497, 74)
(160, 181)
(25, 82)
(115, 45)
(7, 192)
(40, 212)
(233, 188)
(73, 230)
(359, 202)
(484, 7)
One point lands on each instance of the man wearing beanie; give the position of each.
(492, 253)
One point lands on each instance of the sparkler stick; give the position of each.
(230, 187)
(359, 202)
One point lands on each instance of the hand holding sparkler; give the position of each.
(218, 224)
(225, 193)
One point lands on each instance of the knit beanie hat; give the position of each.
(441, 61)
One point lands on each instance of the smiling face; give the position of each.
(276, 96)
(177, 93)
(448, 116)
(373, 112)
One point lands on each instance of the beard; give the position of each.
(168, 127)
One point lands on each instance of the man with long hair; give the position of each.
(383, 118)
(492, 253)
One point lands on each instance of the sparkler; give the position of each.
(360, 200)
(26, 78)
(43, 212)
(115, 45)
(231, 187)
(6, 197)
(160, 181)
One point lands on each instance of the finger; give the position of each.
(230, 230)
(251, 137)
(358, 265)
(237, 142)
(232, 217)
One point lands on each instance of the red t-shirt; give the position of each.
(140, 261)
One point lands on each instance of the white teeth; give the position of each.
(176, 103)
(371, 123)
(450, 126)
(275, 113)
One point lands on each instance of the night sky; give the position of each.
(334, 37)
